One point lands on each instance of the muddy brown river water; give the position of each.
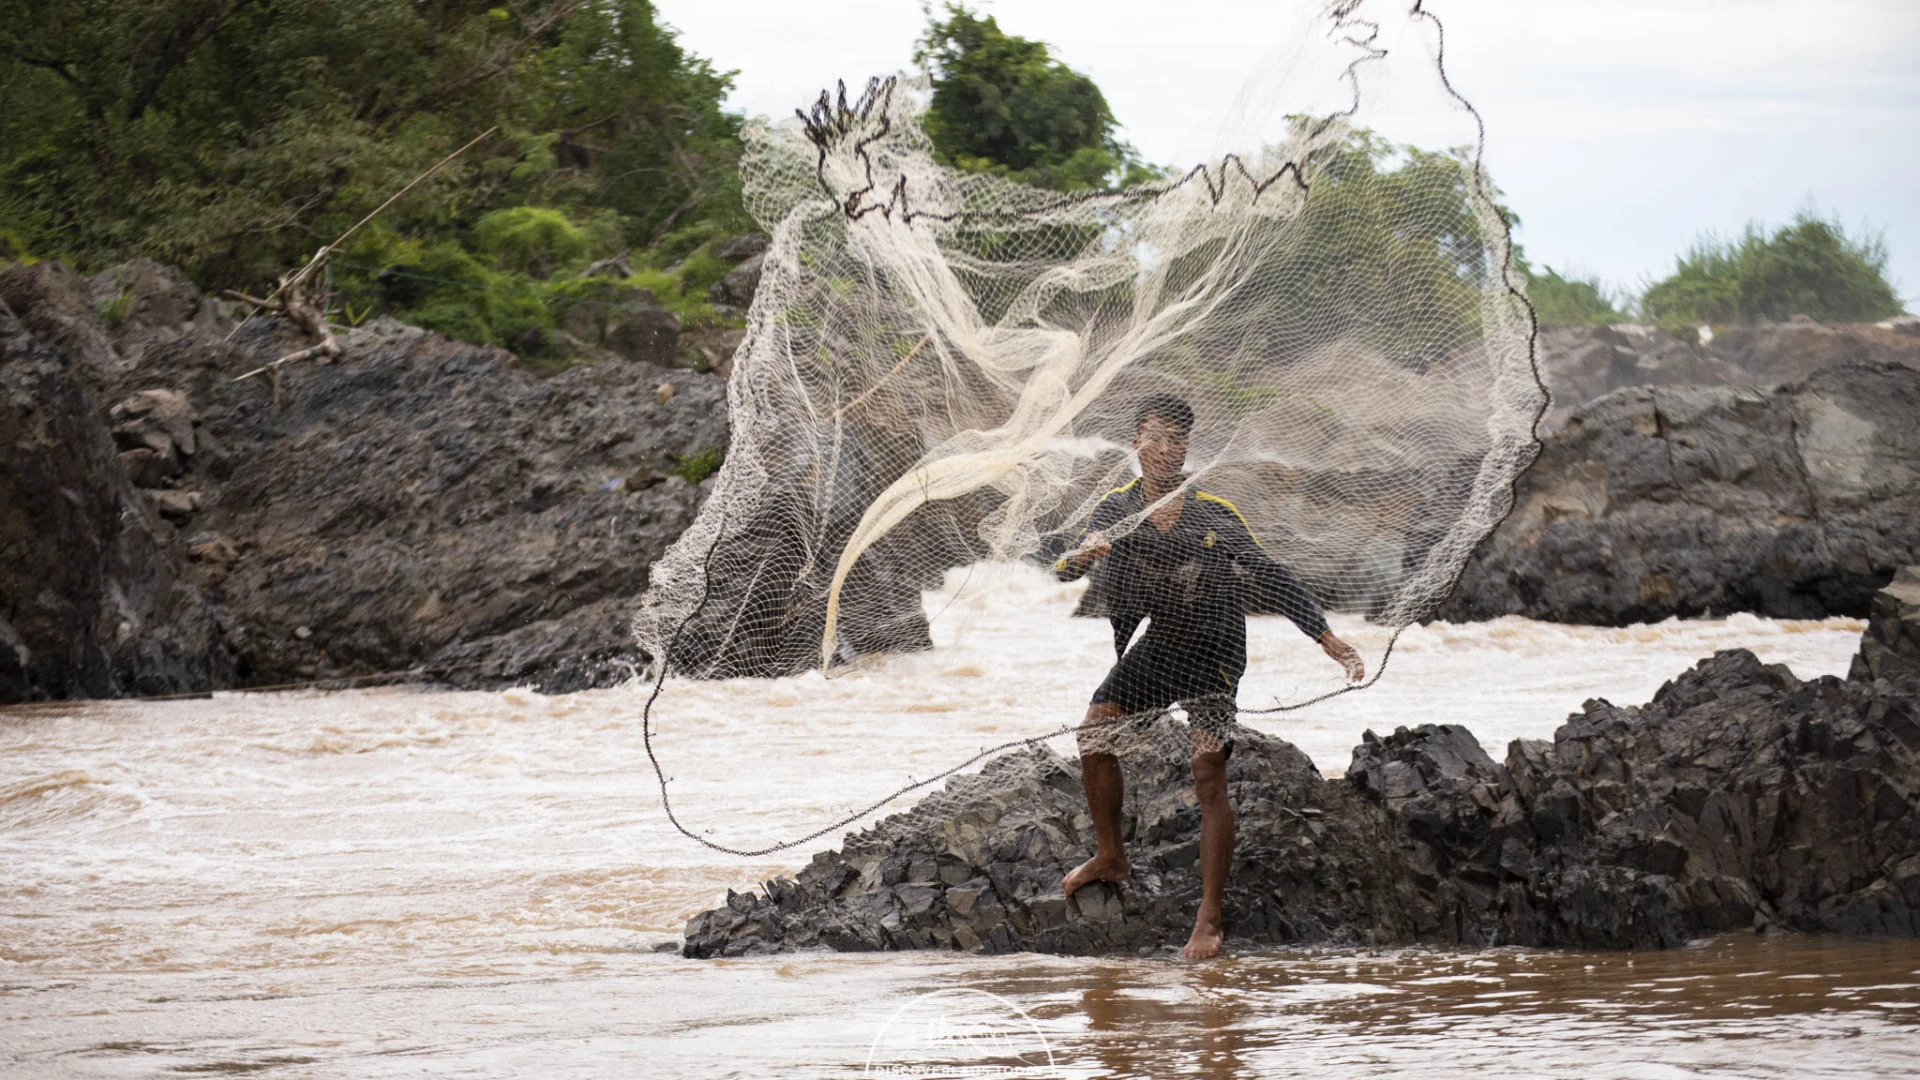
(403, 882)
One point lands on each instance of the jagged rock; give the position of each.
(716, 346)
(744, 247)
(1739, 797)
(92, 599)
(147, 468)
(647, 335)
(1581, 364)
(435, 506)
(736, 289)
(424, 506)
(1653, 502)
(154, 430)
(1890, 648)
(176, 505)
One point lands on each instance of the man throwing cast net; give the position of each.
(1313, 340)
(1191, 571)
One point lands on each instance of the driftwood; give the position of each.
(292, 300)
(611, 266)
(289, 298)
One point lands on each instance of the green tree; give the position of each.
(1002, 104)
(1809, 267)
(235, 137)
(1389, 249)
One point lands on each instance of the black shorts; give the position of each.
(1156, 674)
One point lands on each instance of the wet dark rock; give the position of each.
(1581, 364)
(1798, 502)
(647, 335)
(422, 505)
(760, 626)
(736, 289)
(1740, 797)
(1890, 648)
(744, 247)
(94, 601)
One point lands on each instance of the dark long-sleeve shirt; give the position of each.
(1197, 580)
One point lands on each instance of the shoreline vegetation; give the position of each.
(612, 168)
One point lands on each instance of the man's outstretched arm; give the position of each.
(1277, 589)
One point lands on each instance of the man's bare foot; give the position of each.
(1205, 942)
(1094, 869)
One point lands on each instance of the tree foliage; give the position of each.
(1003, 104)
(235, 137)
(1391, 240)
(1809, 267)
(1572, 301)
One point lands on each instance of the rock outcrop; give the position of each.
(1740, 797)
(420, 504)
(1581, 364)
(1797, 502)
(94, 600)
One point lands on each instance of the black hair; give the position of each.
(1167, 407)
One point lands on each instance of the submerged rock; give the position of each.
(1740, 797)
(1655, 502)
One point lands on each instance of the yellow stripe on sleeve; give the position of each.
(1255, 537)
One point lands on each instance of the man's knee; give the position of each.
(1100, 732)
(1210, 775)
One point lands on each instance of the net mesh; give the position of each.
(946, 368)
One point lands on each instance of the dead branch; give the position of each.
(320, 256)
(291, 300)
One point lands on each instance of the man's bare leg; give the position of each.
(1100, 775)
(1216, 844)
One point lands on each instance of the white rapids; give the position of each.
(395, 854)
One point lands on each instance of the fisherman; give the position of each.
(1190, 570)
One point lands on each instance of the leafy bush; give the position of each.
(260, 131)
(697, 467)
(1808, 267)
(532, 240)
(1564, 301)
(699, 271)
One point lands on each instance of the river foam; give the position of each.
(334, 876)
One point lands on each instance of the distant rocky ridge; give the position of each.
(1740, 798)
(1792, 502)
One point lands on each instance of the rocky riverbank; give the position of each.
(1740, 797)
(419, 504)
(1793, 502)
(424, 506)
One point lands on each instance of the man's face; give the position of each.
(1162, 446)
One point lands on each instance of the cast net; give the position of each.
(945, 368)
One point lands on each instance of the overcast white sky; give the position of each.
(1619, 129)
